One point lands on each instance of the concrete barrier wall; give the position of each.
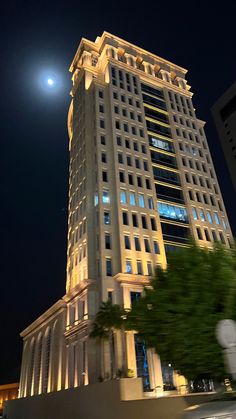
(98, 401)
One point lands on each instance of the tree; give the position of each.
(179, 312)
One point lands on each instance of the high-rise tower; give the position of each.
(141, 182)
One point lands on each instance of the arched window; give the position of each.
(31, 367)
(38, 365)
(47, 350)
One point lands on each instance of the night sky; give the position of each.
(37, 38)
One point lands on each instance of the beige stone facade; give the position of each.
(141, 182)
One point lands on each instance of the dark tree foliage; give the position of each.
(179, 312)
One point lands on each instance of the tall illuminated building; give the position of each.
(224, 113)
(141, 182)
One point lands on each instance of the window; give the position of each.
(145, 165)
(127, 144)
(127, 242)
(148, 185)
(141, 200)
(116, 109)
(122, 177)
(207, 235)
(212, 200)
(101, 108)
(150, 203)
(137, 163)
(224, 224)
(129, 161)
(123, 198)
(128, 266)
(198, 196)
(147, 245)
(153, 224)
(100, 94)
(149, 268)
(124, 112)
(125, 218)
(103, 140)
(133, 129)
(137, 244)
(172, 212)
(105, 197)
(209, 217)
(199, 233)
(107, 241)
(222, 239)
(107, 218)
(104, 158)
(144, 221)
(214, 235)
(110, 296)
(130, 177)
(119, 141)
(202, 215)
(139, 267)
(115, 95)
(143, 147)
(132, 198)
(96, 199)
(160, 143)
(135, 220)
(135, 145)
(126, 129)
(217, 221)
(117, 125)
(156, 247)
(102, 123)
(108, 267)
(139, 182)
(205, 198)
(120, 158)
(104, 177)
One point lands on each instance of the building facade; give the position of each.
(141, 181)
(224, 113)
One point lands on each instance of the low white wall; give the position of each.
(97, 401)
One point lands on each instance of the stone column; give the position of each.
(155, 372)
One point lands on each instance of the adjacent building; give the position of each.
(224, 113)
(8, 392)
(141, 182)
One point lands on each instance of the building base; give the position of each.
(102, 401)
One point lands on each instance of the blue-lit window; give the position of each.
(105, 197)
(141, 200)
(216, 218)
(194, 211)
(172, 212)
(123, 198)
(224, 224)
(132, 199)
(128, 266)
(96, 199)
(202, 216)
(158, 143)
(150, 203)
(209, 217)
